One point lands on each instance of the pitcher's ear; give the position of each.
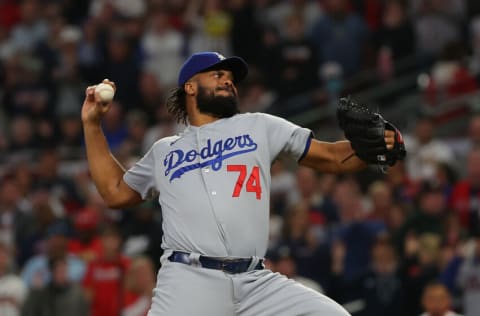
(189, 88)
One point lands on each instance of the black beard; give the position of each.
(217, 106)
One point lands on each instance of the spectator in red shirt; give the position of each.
(104, 280)
(450, 77)
(465, 199)
(87, 244)
(140, 281)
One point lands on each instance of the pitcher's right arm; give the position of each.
(106, 171)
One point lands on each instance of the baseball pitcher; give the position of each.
(213, 184)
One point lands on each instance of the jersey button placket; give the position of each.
(205, 170)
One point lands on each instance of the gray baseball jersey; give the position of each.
(214, 189)
(214, 182)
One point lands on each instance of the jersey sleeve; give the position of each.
(140, 177)
(286, 138)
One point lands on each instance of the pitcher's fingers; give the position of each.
(90, 93)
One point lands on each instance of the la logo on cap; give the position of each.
(220, 56)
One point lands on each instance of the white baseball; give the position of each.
(105, 91)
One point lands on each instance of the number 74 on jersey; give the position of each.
(253, 181)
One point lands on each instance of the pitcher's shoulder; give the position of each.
(166, 141)
(250, 116)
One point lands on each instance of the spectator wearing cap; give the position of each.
(36, 273)
(86, 243)
(429, 216)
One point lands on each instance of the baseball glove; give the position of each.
(365, 130)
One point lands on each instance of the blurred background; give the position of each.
(396, 244)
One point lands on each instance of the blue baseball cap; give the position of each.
(202, 61)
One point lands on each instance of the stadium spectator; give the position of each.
(36, 272)
(425, 150)
(142, 232)
(381, 199)
(246, 30)
(86, 243)
(462, 145)
(59, 296)
(281, 260)
(436, 300)
(435, 25)
(380, 290)
(355, 233)
(16, 221)
(466, 193)
(394, 40)
(31, 29)
(115, 127)
(308, 11)
(163, 46)
(468, 279)
(340, 36)
(310, 252)
(122, 65)
(209, 25)
(450, 76)
(48, 176)
(139, 282)
(105, 277)
(297, 60)
(420, 266)
(152, 95)
(12, 289)
(428, 217)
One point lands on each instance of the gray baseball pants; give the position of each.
(184, 290)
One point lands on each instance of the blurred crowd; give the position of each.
(396, 244)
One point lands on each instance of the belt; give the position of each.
(231, 266)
